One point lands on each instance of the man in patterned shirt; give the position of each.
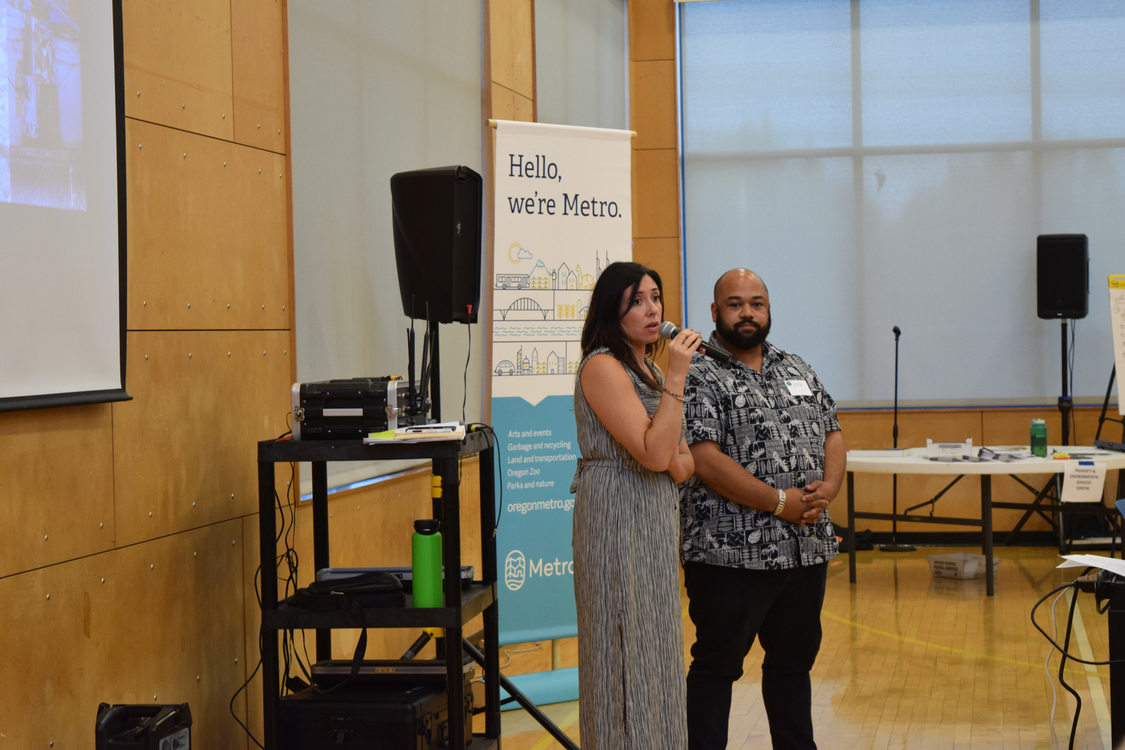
(769, 458)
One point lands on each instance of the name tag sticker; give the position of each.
(798, 388)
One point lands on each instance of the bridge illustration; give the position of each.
(524, 308)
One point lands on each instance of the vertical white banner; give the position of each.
(1117, 326)
(563, 212)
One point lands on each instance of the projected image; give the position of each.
(41, 104)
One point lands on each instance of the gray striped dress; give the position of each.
(627, 588)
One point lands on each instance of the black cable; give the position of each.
(242, 687)
(258, 596)
(1078, 585)
(1066, 643)
(1062, 649)
(465, 374)
(290, 532)
(499, 473)
(1062, 666)
(290, 560)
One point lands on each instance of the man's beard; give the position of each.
(737, 339)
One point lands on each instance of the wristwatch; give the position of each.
(780, 503)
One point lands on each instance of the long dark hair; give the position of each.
(603, 319)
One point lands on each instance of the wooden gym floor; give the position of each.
(913, 661)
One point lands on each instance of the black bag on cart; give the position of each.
(143, 727)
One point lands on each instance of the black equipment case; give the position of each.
(369, 713)
(143, 727)
(352, 409)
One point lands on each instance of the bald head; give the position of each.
(733, 278)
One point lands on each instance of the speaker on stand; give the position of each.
(437, 217)
(1063, 292)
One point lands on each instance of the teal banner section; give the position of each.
(557, 686)
(538, 454)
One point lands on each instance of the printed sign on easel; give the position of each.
(1117, 326)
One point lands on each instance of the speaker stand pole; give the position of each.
(894, 546)
(1065, 401)
(435, 375)
(1065, 404)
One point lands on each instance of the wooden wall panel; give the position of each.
(1012, 426)
(508, 105)
(208, 234)
(178, 64)
(57, 466)
(102, 600)
(656, 193)
(656, 172)
(185, 447)
(512, 45)
(155, 623)
(652, 92)
(662, 254)
(259, 62)
(652, 29)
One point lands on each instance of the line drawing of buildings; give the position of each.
(541, 281)
(531, 363)
(545, 294)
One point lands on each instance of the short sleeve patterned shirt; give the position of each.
(773, 423)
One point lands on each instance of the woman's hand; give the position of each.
(683, 464)
(680, 349)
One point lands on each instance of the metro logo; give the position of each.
(518, 569)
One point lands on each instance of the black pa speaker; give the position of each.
(437, 232)
(1063, 275)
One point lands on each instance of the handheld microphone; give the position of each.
(668, 330)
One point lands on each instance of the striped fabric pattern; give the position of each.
(626, 585)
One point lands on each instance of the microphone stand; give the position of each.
(894, 546)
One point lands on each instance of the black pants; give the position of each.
(732, 606)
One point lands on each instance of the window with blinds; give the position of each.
(891, 162)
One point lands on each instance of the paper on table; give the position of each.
(1112, 564)
(419, 433)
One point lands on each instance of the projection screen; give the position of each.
(62, 209)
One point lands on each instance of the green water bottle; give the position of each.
(1039, 438)
(425, 563)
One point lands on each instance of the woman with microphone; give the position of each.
(626, 517)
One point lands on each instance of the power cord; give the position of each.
(289, 557)
(465, 374)
(1097, 584)
(1047, 668)
(499, 486)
